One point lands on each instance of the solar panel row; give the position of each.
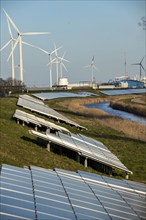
(36, 105)
(85, 147)
(123, 91)
(29, 118)
(55, 95)
(38, 193)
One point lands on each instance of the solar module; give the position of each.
(29, 118)
(55, 95)
(38, 106)
(37, 193)
(84, 146)
(123, 91)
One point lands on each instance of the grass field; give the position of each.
(19, 148)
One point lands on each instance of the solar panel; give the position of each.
(29, 118)
(123, 91)
(55, 95)
(33, 104)
(126, 204)
(17, 199)
(60, 194)
(93, 150)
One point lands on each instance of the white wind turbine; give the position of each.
(19, 40)
(51, 61)
(11, 41)
(57, 61)
(61, 59)
(92, 66)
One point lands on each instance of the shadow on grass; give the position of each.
(39, 142)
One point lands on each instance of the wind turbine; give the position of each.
(11, 41)
(92, 66)
(19, 41)
(141, 67)
(61, 59)
(125, 63)
(51, 61)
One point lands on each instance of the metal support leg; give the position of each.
(77, 157)
(23, 123)
(127, 176)
(48, 146)
(86, 162)
(17, 121)
(48, 131)
(36, 128)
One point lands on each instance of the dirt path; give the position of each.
(139, 101)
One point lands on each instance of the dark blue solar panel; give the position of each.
(61, 194)
(123, 91)
(18, 211)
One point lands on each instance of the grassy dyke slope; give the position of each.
(19, 148)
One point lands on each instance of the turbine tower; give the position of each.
(92, 66)
(125, 63)
(11, 41)
(57, 62)
(19, 41)
(141, 67)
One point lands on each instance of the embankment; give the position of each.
(136, 109)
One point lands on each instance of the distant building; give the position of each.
(130, 83)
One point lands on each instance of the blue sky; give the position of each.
(105, 29)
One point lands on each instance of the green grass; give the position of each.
(19, 148)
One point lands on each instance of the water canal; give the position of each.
(105, 106)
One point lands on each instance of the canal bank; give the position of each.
(107, 107)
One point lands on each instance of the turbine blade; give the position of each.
(13, 48)
(143, 67)
(56, 50)
(35, 33)
(9, 28)
(135, 64)
(62, 59)
(64, 66)
(64, 54)
(13, 24)
(142, 59)
(65, 60)
(6, 45)
(35, 47)
(94, 67)
(87, 66)
(52, 61)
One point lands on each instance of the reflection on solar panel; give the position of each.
(123, 91)
(37, 193)
(36, 105)
(29, 118)
(86, 147)
(55, 95)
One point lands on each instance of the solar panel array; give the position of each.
(55, 95)
(36, 105)
(85, 146)
(123, 91)
(37, 193)
(29, 118)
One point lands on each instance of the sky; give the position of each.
(107, 30)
